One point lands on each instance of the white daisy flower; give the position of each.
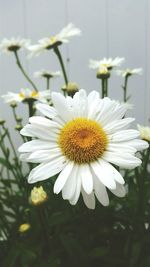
(26, 94)
(13, 44)
(47, 74)
(79, 140)
(129, 72)
(144, 132)
(51, 42)
(107, 63)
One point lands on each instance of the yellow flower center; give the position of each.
(53, 39)
(82, 140)
(32, 95)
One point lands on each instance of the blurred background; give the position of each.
(109, 28)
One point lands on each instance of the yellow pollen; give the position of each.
(34, 94)
(82, 140)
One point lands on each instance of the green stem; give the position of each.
(125, 88)
(57, 52)
(30, 106)
(23, 71)
(104, 85)
(47, 83)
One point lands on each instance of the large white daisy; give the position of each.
(13, 44)
(26, 94)
(79, 139)
(50, 42)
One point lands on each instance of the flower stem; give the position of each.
(57, 52)
(47, 83)
(23, 71)
(125, 88)
(104, 85)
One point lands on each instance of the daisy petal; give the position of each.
(47, 170)
(63, 177)
(86, 178)
(89, 200)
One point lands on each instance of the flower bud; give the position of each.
(24, 227)
(71, 88)
(38, 196)
(103, 73)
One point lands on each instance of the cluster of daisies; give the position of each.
(80, 138)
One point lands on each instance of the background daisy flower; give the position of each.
(47, 74)
(128, 72)
(107, 63)
(51, 42)
(80, 140)
(26, 94)
(144, 132)
(13, 44)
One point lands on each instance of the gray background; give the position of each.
(109, 28)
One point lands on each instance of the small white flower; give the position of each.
(26, 94)
(46, 74)
(128, 72)
(13, 44)
(79, 140)
(108, 63)
(144, 132)
(50, 42)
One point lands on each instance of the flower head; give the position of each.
(129, 72)
(24, 227)
(103, 73)
(108, 63)
(144, 132)
(79, 140)
(47, 74)
(71, 88)
(38, 196)
(51, 42)
(25, 95)
(13, 44)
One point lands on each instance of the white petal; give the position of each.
(124, 160)
(41, 132)
(47, 170)
(61, 106)
(86, 178)
(119, 191)
(137, 144)
(36, 145)
(70, 186)
(63, 177)
(44, 155)
(37, 120)
(89, 200)
(100, 192)
(25, 132)
(80, 104)
(121, 148)
(124, 135)
(76, 195)
(103, 174)
(46, 110)
(118, 125)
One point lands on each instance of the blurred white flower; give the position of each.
(26, 94)
(13, 44)
(51, 42)
(108, 63)
(144, 132)
(128, 72)
(81, 140)
(46, 74)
